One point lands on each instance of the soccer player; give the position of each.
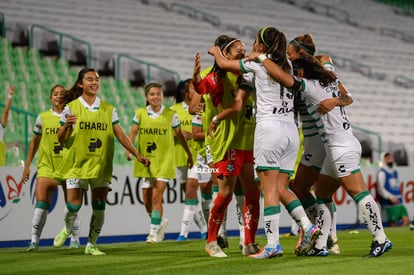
(88, 128)
(188, 177)
(308, 172)
(276, 140)
(3, 124)
(153, 129)
(231, 147)
(51, 152)
(343, 150)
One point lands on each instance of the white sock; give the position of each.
(271, 228)
(299, 215)
(205, 205)
(294, 227)
(95, 226)
(199, 219)
(69, 219)
(76, 228)
(324, 222)
(312, 212)
(188, 215)
(38, 222)
(154, 228)
(372, 217)
(239, 209)
(333, 226)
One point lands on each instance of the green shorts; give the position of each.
(396, 212)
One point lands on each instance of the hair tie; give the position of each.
(228, 44)
(261, 36)
(301, 45)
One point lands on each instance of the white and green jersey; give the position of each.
(274, 102)
(333, 127)
(309, 128)
(50, 152)
(155, 140)
(91, 145)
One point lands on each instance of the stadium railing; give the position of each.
(195, 13)
(372, 146)
(145, 72)
(3, 25)
(61, 35)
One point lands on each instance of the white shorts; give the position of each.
(342, 160)
(313, 152)
(203, 170)
(149, 182)
(276, 145)
(84, 183)
(181, 174)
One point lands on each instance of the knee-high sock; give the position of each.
(217, 214)
(76, 228)
(188, 215)
(297, 212)
(240, 209)
(70, 213)
(324, 221)
(310, 205)
(251, 215)
(271, 218)
(199, 219)
(294, 227)
(205, 204)
(333, 226)
(39, 220)
(222, 229)
(97, 221)
(371, 214)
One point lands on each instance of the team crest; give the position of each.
(230, 167)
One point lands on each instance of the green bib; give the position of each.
(51, 152)
(91, 145)
(155, 141)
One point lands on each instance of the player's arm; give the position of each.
(132, 134)
(344, 99)
(183, 142)
(67, 121)
(33, 147)
(224, 63)
(228, 112)
(127, 144)
(5, 115)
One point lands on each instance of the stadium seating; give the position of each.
(33, 77)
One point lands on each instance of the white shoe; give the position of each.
(334, 250)
(152, 239)
(214, 250)
(161, 231)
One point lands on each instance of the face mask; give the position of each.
(390, 164)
